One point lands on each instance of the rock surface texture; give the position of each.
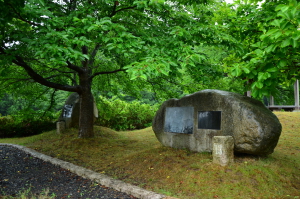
(255, 129)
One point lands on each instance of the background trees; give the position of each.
(270, 33)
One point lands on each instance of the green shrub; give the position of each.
(9, 127)
(121, 115)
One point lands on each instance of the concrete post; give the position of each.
(296, 91)
(223, 150)
(60, 127)
(271, 101)
(248, 93)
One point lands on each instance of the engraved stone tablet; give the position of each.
(179, 120)
(209, 120)
(67, 111)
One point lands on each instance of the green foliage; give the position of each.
(78, 45)
(121, 115)
(272, 39)
(14, 127)
(37, 101)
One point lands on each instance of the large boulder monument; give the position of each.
(192, 121)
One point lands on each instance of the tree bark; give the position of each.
(86, 116)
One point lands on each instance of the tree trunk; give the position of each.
(86, 116)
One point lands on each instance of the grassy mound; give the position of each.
(138, 158)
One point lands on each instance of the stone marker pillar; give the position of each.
(223, 150)
(296, 90)
(60, 126)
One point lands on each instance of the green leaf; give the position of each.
(259, 84)
(143, 76)
(263, 76)
(283, 24)
(76, 19)
(246, 70)
(272, 31)
(272, 70)
(86, 56)
(276, 22)
(279, 7)
(296, 35)
(286, 43)
(236, 71)
(259, 52)
(283, 8)
(105, 21)
(295, 43)
(282, 63)
(271, 48)
(277, 35)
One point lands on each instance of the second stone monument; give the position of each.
(70, 111)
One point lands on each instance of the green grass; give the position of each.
(138, 158)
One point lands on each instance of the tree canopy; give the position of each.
(67, 44)
(87, 46)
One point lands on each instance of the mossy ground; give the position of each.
(138, 158)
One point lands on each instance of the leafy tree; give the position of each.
(68, 44)
(271, 33)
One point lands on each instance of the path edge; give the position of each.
(92, 175)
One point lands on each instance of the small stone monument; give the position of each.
(60, 126)
(223, 150)
(192, 121)
(70, 113)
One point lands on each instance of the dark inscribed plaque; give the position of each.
(179, 120)
(209, 120)
(67, 113)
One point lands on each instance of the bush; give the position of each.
(9, 127)
(120, 115)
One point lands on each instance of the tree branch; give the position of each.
(39, 79)
(106, 72)
(52, 100)
(74, 67)
(93, 54)
(20, 17)
(116, 11)
(85, 51)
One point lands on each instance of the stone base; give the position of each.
(223, 150)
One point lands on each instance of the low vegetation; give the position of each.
(138, 158)
(14, 127)
(122, 115)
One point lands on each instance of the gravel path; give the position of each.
(20, 171)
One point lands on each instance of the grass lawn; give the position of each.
(138, 158)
